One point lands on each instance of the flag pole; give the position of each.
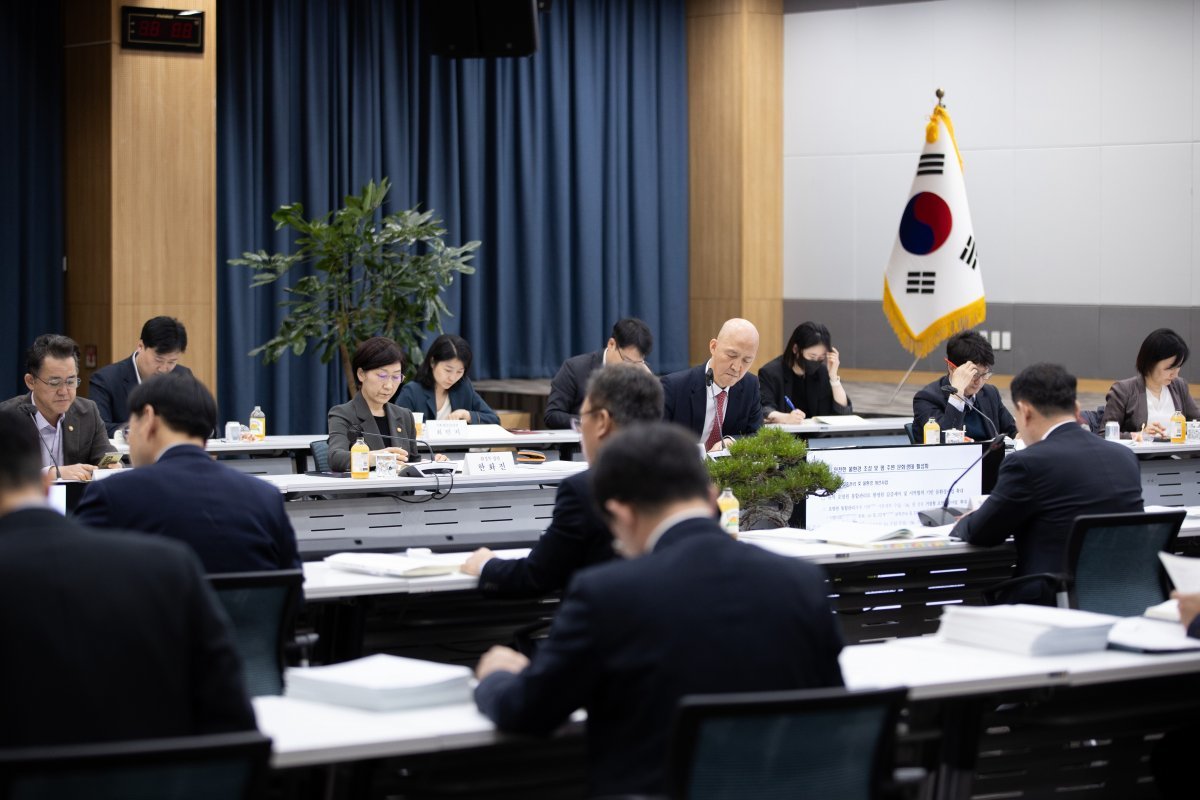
(904, 380)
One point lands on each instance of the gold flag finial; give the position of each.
(940, 94)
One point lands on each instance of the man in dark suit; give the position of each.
(161, 345)
(962, 398)
(720, 399)
(693, 611)
(71, 432)
(107, 637)
(1064, 471)
(630, 343)
(233, 521)
(617, 397)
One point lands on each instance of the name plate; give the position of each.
(444, 428)
(489, 464)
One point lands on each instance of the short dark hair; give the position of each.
(630, 393)
(1160, 345)
(803, 337)
(632, 332)
(21, 466)
(969, 346)
(181, 401)
(1047, 387)
(376, 352)
(164, 335)
(446, 347)
(649, 465)
(50, 345)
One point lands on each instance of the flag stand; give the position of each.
(904, 380)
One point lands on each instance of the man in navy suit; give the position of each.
(617, 397)
(630, 343)
(233, 521)
(962, 398)
(718, 400)
(691, 612)
(162, 343)
(107, 636)
(1064, 471)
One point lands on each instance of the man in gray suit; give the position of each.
(73, 436)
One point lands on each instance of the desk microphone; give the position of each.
(946, 514)
(708, 377)
(950, 391)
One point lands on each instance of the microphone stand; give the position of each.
(950, 391)
(946, 514)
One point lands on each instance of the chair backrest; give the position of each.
(912, 435)
(320, 454)
(1113, 560)
(261, 606)
(226, 765)
(818, 743)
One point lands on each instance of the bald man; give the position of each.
(718, 399)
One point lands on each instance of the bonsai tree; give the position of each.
(769, 475)
(373, 275)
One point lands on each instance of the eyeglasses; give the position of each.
(821, 357)
(982, 376)
(386, 378)
(628, 360)
(56, 383)
(577, 422)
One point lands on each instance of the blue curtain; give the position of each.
(31, 222)
(570, 166)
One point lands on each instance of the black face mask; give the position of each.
(812, 369)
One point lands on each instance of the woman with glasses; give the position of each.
(962, 399)
(1146, 402)
(804, 381)
(385, 426)
(441, 388)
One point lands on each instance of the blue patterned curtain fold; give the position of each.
(570, 166)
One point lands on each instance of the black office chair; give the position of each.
(227, 765)
(262, 607)
(1112, 564)
(912, 435)
(1094, 419)
(818, 743)
(320, 454)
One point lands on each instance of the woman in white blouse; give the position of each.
(1146, 402)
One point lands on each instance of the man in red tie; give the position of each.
(719, 399)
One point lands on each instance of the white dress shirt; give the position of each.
(51, 435)
(1159, 409)
(710, 405)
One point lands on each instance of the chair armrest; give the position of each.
(1060, 582)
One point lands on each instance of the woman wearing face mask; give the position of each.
(804, 381)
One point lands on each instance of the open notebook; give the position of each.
(862, 534)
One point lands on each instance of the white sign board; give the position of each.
(444, 428)
(889, 485)
(489, 463)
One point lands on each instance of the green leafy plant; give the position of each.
(768, 474)
(373, 275)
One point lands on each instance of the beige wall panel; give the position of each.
(767, 316)
(762, 175)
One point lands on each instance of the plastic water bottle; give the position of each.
(360, 464)
(731, 511)
(932, 433)
(258, 424)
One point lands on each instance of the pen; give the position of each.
(791, 405)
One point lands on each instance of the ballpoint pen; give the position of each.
(790, 404)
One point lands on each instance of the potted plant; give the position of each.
(373, 275)
(769, 474)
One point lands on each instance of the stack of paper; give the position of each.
(861, 534)
(840, 419)
(381, 683)
(1028, 630)
(394, 565)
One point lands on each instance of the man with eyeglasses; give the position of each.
(162, 343)
(630, 343)
(73, 438)
(962, 398)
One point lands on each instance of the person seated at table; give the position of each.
(385, 427)
(1189, 611)
(233, 521)
(617, 397)
(718, 400)
(804, 381)
(630, 343)
(162, 343)
(688, 611)
(1064, 471)
(1145, 403)
(962, 398)
(71, 431)
(441, 388)
(110, 636)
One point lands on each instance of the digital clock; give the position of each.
(162, 29)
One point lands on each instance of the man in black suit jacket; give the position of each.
(630, 343)
(233, 521)
(962, 398)
(693, 400)
(1064, 471)
(161, 345)
(617, 397)
(107, 637)
(693, 611)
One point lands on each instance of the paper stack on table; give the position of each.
(395, 565)
(381, 683)
(1025, 629)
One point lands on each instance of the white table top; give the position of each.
(323, 582)
(476, 436)
(549, 472)
(869, 425)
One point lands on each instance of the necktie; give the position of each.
(714, 435)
